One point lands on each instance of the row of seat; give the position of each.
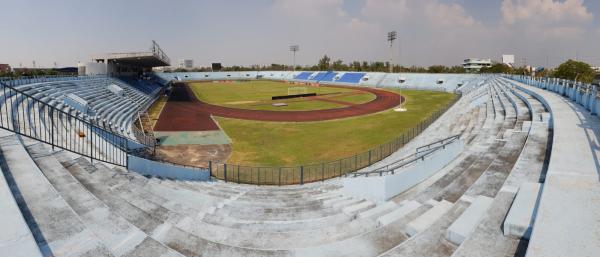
(419, 81)
(108, 110)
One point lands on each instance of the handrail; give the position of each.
(104, 145)
(390, 168)
(441, 142)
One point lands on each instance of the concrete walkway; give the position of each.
(568, 219)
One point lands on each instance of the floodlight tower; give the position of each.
(294, 49)
(392, 35)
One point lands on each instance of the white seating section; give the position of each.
(418, 81)
(115, 113)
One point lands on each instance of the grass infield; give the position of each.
(256, 95)
(294, 143)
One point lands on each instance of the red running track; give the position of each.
(184, 112)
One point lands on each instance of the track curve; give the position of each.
(184, 112)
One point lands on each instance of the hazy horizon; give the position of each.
(260, 32)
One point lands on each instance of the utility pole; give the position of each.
(392, 35)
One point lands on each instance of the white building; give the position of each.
(475, 64)
(186, 64)
(596, 68)
(508, 59)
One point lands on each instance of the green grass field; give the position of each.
(290, 143)
(256, 95)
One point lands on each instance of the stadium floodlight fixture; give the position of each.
(294, 49)
(392, 35)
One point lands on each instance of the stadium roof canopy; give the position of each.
(155, 57)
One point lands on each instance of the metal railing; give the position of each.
(18, 81)
(300, 174)
(420, 154)
(159, 53)
(437, 143)
(28, 116)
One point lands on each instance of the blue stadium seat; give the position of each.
(319, 76)
(328, 77)
(303, 75)
(351, 77)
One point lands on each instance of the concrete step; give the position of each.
(120, 236)
(372, 243)
(399, 213)
(15, 236)
(521, 217)
(55, 226)
(161, 224)
(380, 209)
(359, 207)
(424, 221)
(470, 218)
(343, 204)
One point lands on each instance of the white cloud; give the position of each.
(385, 10)
(448, 15)
(550, 12)
(547, 19)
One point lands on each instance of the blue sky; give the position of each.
(260, 31)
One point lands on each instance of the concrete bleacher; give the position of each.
(16, 238)
(110, 111)
(506, 127)
(566, 223)
(416, 81)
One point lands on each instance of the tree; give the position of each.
(497, 68)
(324, 63)
(437, 69)
(355, 66)
(575, 70)
(338, 65)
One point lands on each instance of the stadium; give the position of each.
(124, 158)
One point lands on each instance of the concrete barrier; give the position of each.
(165, 170)
(382, 188)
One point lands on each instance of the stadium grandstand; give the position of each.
(509, 168)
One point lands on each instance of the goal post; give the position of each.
(297, 90)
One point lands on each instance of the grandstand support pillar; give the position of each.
(301, 175)
(210, 167)
(225, 171)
